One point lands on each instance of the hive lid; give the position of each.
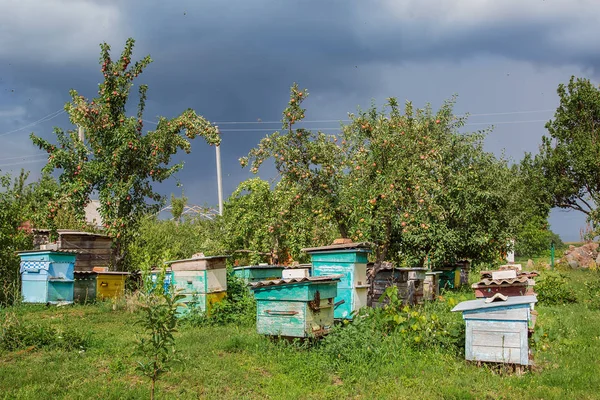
(364, 246)
(40, 251)
(480, 304)
(258, 267)
(278, 282)
(195, 259)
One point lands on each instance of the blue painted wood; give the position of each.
(256, 273)
(47, 276)
(284, 309)
(353, 287)
(497, 332)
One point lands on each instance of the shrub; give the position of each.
(18, 334)
(553, 289)
(592, 289)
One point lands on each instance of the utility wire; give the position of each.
(39, 121)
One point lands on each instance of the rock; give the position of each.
(573, 264)
(598, 259)
(530, 264)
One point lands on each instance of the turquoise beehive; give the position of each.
(297, 307)
(350, 261)
(257, 273)
(47, 276)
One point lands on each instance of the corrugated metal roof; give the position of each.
(480, 304)
(278, 282)
(343, 246)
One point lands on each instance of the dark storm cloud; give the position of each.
(235, 60)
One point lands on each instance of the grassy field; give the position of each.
(232, 362)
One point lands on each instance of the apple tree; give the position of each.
(118, 160)
(570, 154)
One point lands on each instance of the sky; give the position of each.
(234, 61)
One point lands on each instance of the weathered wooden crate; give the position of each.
(93, 249)
(350, 261)
(47, 276)
(256, 273)
(409, 281)
(497, 331)
(202, 280)
(300, 308)
(431, 285)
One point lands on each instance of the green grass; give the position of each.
(234, 362)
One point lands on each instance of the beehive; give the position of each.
(256, 273)
(497, 331)
(47, 276)
(84, 289)
(201, 280)
(431, 285)
(110, 284)
(409, 281)
(302, 307)
(350, 261)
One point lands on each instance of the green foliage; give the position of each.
(553, 288)
(118, 160)
(409, 182)
(569, 154)
(271, 223)
(239, 307)
(534, 238)
(160, 240)
(177, 206)
(159, 321)
(592, 291)
(17, 334)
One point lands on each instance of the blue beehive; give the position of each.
(497, 328)
(297, 307)
(256, 273)
(47, 276)
(350, 261)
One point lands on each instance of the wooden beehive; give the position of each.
(497, 331)
(350, 261)
(47, 276)
(256, 273)
(302, 307)
(201, 280)
(85, 285)
(93, 249)
(110, 284)
(431, 285)
(409, 281)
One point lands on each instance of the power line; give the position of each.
(24, 162)
(39, 121)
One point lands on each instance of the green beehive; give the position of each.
(301, 307)
(256, 273)
(350, 261)
(202, 280)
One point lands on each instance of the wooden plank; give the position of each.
(216, 280)
(505, 274)
(496, 338)
(285, 318)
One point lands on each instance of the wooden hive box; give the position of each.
(300, 308)
(202, 280)
(93, 249)
(431, 285)
(256, 273)
(497, 331)
(409, 281)
(350, 261)
(47, 276)
(110, 284)
(85, 285)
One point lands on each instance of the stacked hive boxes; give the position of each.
(202, 280)
(47, 276)
(350, 261)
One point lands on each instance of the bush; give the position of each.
(553, 289)
(17, 334)
(238, 307)
(592, 289)
(376, 333)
